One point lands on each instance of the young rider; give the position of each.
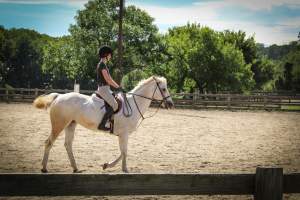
(105, 84)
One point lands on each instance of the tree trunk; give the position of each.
(200, 87)
(120, 44)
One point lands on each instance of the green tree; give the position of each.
(217, 66)
(283, 66)
(3, 70)
(59, 62)
(180, 41)
(131, 79)
(239, 40)
(211, 60)
(20, 57)
(278, 52)
(97, 25)
(266, 73)
(290, 79)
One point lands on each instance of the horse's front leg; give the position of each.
(123, 141)
(111, 164)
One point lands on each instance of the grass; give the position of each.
(290, 108)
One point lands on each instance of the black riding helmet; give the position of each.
(104, 51)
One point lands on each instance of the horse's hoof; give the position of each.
(78, 171)
(44, 170)
(104, 166)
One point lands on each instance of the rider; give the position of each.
(105, 84)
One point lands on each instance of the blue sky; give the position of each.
(270, 21)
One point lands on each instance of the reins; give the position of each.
(127, 105)
(151, 99)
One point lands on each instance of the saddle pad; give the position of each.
(122, 123)
(97, 99)
(96, 102)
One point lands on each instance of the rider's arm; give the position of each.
(108, 79)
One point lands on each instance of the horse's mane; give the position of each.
(146, 81)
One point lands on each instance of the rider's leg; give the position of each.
(106, 94)
(106, 117)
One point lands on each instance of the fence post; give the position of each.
(268, 184)
(36, 92)
(22, 94)
(77, 88)
(195, 96)
(7, 97)
(229, 101)
(265, 102)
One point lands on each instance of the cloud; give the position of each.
(182, 15)
(256, 5)
(292, 22)
(279, 33)
(209, 13)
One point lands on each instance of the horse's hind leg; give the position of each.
(69, 137)
(58, 124)
(48, 145)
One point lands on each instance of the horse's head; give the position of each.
(161, 92)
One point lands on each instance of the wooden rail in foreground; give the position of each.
(266, 184)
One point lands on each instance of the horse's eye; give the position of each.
(164, 89)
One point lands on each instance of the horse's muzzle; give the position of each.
(169, 104)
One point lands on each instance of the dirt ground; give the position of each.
(173, 141)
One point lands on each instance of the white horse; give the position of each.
(68, 110)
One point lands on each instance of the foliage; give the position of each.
(290, 77)
(239, 40)
(278, 52)
(131, 79)
(179, 44)
(20, 57)
(266, 73)
(201, 54)
(59, 62)
(219, 67)
(97, 25)
(190, 56)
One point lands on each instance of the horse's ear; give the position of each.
(157, 80)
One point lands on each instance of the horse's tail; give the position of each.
(44, 101)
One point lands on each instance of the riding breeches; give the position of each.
(107, 96)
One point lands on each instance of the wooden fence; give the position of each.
(266, 184)
(237, 101)
(257, 100)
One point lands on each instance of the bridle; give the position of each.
(164, 99)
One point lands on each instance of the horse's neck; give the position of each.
(143, 103)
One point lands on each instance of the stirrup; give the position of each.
(111, 126)
(106, 119)
(102, 126)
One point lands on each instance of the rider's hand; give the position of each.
(120, 89)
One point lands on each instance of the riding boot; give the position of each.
(106, 117)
